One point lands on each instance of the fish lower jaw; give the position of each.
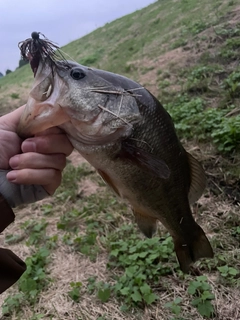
(90, 148)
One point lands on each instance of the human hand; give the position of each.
(41, 162)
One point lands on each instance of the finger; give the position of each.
(49, 131)
(34, 160)
(50, 179)
(10, 146)
(55, 143)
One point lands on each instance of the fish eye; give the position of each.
(77, 74)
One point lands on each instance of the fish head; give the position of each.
(91, 105)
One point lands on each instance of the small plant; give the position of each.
(174, 306)
(32, 282)
(37, 316)
(102, 289)
(13, 238)
(36, 231)
(193, 120)
(236, 232)
(13, 303)
(200, 78)
(232, 84)
(70, 179)
(228, 31)
(68, 221)
(75, 291)
(227, 136)
(179, 43)
(164, 84)
(185, 113)
(233, 43)
(202, 72)
(15, 96)
(229, 274)
(35, 278)
(202, 296)
(197, 27)
(145, 70)
(90, 60)
(47, 209)
(87, 245)
(228, 54)
(102, 318)
(134, 256)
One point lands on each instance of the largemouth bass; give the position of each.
(123, 131)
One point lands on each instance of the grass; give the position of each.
(86, 258)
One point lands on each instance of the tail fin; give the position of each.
(191, 251)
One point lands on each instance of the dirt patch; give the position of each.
(184, 57)
(87, 187)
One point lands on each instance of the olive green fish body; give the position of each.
(126, 134)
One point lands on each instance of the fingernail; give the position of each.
(12, 176)
(14, 162)
(28, 146)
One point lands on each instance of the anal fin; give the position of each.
(146, 224)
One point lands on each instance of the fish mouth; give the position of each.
(38, 117)
(42, 110)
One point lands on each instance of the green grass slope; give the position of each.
(131, 44)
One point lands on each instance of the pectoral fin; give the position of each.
(145, 160)
(109, 181)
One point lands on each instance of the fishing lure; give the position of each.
(36, 49)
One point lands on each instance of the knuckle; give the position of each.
(43, 144)
(24, 176)
(70, 148)
(56, 176)
(56, 181)
(62, 161)
(22, 161)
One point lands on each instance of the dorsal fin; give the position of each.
(198, 179)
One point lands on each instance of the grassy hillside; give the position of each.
(86, 258)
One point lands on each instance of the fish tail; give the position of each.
(146, 224)
(190, 251)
